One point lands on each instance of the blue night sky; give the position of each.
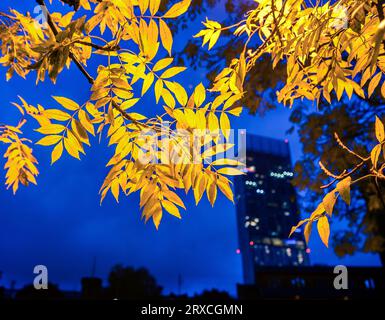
(60, 223)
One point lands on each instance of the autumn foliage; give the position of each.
(151, 155)
(330, 49)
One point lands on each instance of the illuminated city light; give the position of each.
(250, 169)
(251, 243)
(238, 251)
(281, 175)
(308, 250)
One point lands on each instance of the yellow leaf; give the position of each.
(165, 36)
(124, 94)
(199, 187)
(163, 63)
(216, 149)
(148, 80)
(153, 34)
(329, 201)
(212, 192)
(171, 208)
(213, 123)
(307, 231)
(79, 131)
(154, 6)
(343, 188)
(57, 152)
(229, 162)
(143, 5)
(157, 217)
(86, 122)
(214, 38)
(172, 196)
(71, 147)
(57, 114)
(51, 129)
(49, 140)
(199, 95)
(129, 103)
(379, 127)
(236, 111)
(177, 9)
(189, 116)
(324, 230)
(230, 171)
(317, 212)
(158, 89)
(378, 38)
(172, 72)
(297, 226)
(201, 119)
(225, 125)
(375, 154)
(374, 83)
(67, 103)
(224, 186)
(178, 91)
(168, 98)
(115, 189)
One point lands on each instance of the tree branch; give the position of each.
(80, 66)
(55, 32)
(98, 47)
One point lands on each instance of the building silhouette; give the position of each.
(266, 206)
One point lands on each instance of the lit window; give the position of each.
(288, 252)
(300, 257)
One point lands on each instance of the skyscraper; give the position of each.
(266, 206)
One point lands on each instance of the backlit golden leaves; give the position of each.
(344, 183)
(153, 156)
(20, 164)
(328, 50)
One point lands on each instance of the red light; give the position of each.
(238, 251)
(308, 250)
(286, 141)
(251, 243)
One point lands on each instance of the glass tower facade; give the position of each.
(266, 205)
